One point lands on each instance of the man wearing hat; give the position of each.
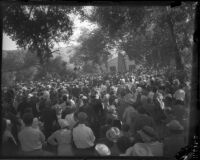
(112, 136)
(176, 139)
(148, 144)
(62, 139)
(83, 136)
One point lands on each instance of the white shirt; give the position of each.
(83, 136)
(31, 139)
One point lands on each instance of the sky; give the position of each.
(8, 44)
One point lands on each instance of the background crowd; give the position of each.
(96, 115)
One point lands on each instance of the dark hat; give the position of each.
(148, 134)
(82, 116)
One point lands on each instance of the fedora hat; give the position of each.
(148, 134)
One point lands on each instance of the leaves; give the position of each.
(37, 27)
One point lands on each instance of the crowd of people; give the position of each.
(96, 115)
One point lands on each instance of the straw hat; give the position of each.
(113, 134)
(141, 149)
(102, 150)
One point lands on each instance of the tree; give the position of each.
(37, 28)
(172, 31)
(21, 63)
(93, 48)
(152, 34)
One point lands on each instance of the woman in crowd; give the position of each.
(90, 106)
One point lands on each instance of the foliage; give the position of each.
(57, 65)
(93, 48)
(153, 36)
(37, 28)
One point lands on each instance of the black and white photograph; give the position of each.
(96, 80)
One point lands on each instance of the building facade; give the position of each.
(120, 63)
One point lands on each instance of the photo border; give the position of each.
(194, 126)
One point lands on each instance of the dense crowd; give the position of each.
(96, 115)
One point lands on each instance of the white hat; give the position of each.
(179, 95)
(84, 97)
(113, 134)
(123, 80)
(102, 150)
(141, 149)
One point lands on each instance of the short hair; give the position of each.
(64, 97)
(125, 127)
(28, 119)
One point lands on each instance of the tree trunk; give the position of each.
(179, 63)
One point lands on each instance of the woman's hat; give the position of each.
(141, 149)
(102, 150)
(113, 134)
(148, 134)
(63, 123)
(175, 125)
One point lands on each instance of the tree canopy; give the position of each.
(37, 28)
(151, 35)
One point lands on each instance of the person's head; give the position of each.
(28, 119)
(82, 117)
(147, 134)
(63, 123)
(64, 98)
(6, 124)
(123, 93)
(113, 134)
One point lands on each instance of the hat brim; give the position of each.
(112, 139)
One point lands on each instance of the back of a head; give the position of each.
(28, 119)
(82, 117)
